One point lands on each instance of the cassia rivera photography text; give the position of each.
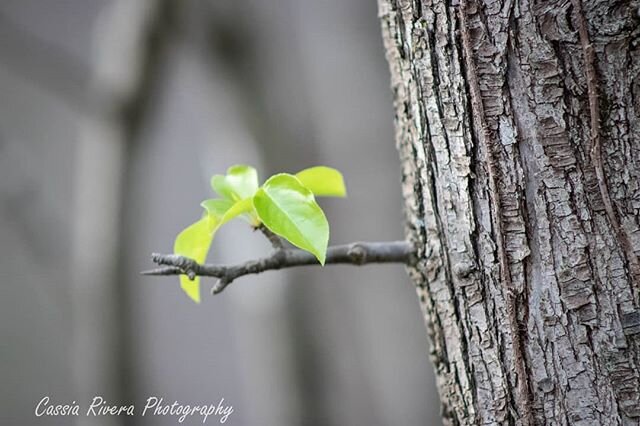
(154, 406)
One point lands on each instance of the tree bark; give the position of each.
(518, 128)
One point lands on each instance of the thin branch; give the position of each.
(276, 242)
(353, 254)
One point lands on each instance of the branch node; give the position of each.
(220, 285)
(357, 254)
(187, 266)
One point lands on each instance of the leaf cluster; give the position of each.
(285, 204)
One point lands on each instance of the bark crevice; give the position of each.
(527, 294)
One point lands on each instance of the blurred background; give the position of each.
(113, 116)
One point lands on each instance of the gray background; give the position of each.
(85, 198)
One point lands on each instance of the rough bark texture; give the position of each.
(518, 127)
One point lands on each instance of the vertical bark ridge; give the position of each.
(416, 121)
(513, 205)
(521, 279)
(581, 266)
(596, 149)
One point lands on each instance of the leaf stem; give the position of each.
(276, 242)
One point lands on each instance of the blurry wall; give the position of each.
(96, 174)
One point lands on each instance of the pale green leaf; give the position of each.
(236, 209)
(216, 209)
(239, 183)
(194, 242)
(243, 180)
(289, 209)
(222, 188)
(221, 211)
(323, 181)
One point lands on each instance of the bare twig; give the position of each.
(354, 254)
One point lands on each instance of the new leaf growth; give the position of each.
(285, 204)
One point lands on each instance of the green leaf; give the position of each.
(289, 209)
(216, 209)
(194, 242)
(323, 181)
(221, 187)
(240, 182)
(222, 211)
(243, 180)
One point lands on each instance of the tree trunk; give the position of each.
(518, 127)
